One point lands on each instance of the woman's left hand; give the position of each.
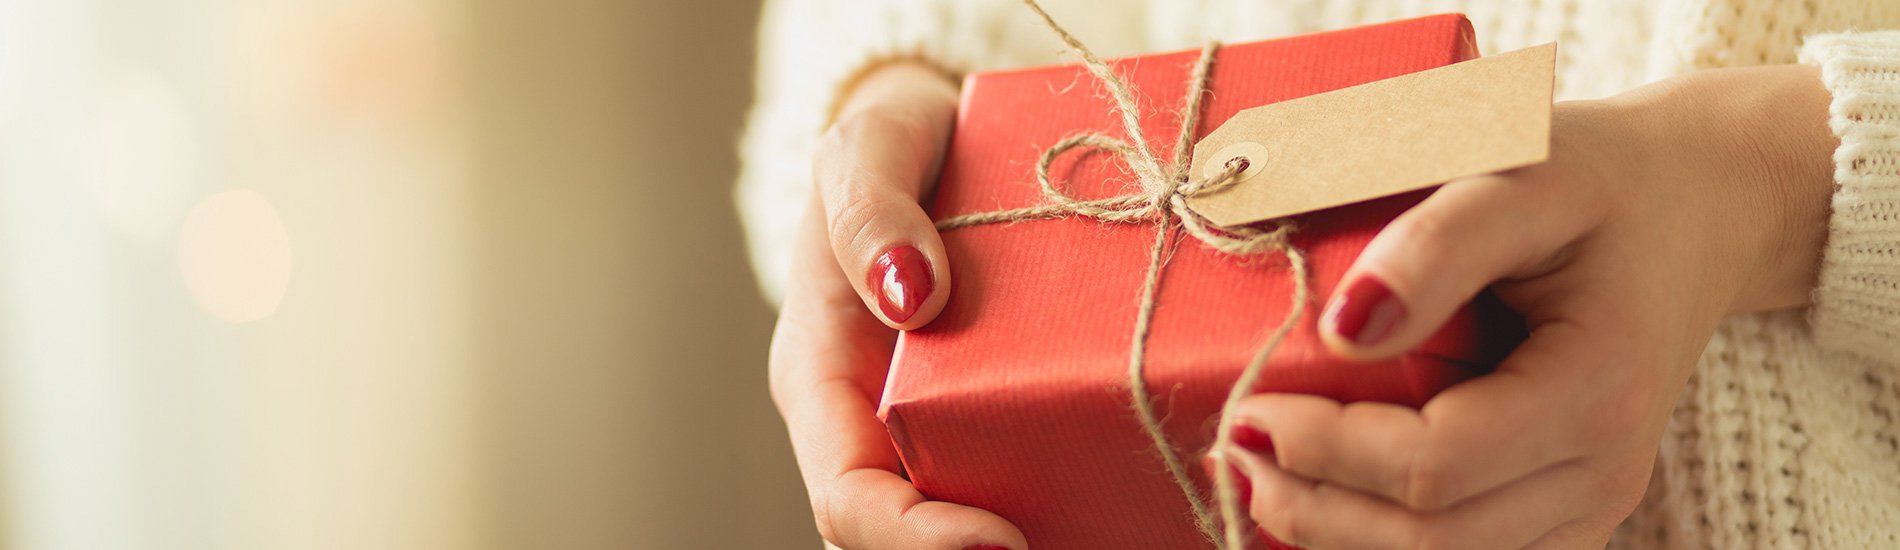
(1659, 212)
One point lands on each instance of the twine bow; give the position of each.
(1162, 200)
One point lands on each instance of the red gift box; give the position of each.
(1015, 399)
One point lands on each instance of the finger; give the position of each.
(1315, 514)
(858, 499)
(1474, 437)
(870, 169)
(891, 514)
(1436, 257)
(828, 360)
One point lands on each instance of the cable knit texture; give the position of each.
(1786, 435)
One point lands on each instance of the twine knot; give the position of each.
(1164, 187)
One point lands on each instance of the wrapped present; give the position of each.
(1016, 398)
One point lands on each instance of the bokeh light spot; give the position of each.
(234, 255)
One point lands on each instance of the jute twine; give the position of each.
(1162, 201)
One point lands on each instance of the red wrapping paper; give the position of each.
(1015, 399)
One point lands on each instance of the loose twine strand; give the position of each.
(1162, 200)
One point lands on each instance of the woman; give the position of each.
(1710, 262)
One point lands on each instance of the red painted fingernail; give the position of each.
(1252, 439)
(1365, 313)
(902, 279)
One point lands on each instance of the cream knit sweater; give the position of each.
(1788, 435)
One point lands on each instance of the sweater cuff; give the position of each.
(1857, 301)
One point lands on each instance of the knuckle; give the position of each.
(1283, 525)
(1305, 458)
(907, 132)
(1424, 227)
(834, 138)
(1287, 520)
(855, 127)
(828, 153)
(858, 217)
(824, 520)
(1426, 483)
(775, 385)
(782, 366)
(864, 123)
(825, 530)
(874, 125)
(839, 511)
(777, 363)
(778, 383)
(833, 147)
(1554, 261)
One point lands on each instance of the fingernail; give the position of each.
(1365, 313)
(902, 280)
(1252, 439)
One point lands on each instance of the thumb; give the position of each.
(870, 169)
(1436, 257)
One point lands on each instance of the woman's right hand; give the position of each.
(868, 263)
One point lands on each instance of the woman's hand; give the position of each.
(868, 247)
(1660, 212)
(874, 164)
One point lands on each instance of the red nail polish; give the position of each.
(902, 279)
(1252, 439)
(1365, 313)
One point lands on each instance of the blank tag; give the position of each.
(1379, 139)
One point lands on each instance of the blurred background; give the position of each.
(294, 274)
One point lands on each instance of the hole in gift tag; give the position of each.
(1249, 156)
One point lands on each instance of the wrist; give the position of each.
(1750, 151)
(1786, 119)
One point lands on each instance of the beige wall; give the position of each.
(443, 274)
(622, 341)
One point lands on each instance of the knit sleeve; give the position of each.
(1857, 303)
(809, 52)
